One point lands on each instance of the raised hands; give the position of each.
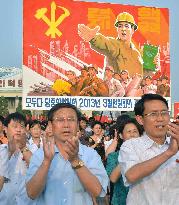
(72, 148)
(49, 148)
(116, 136)
(11, 146)
(86, 33)
(21, 143)
(173, 131)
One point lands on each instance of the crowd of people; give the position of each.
(113, 84)
(72, 160)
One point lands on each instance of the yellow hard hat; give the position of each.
(125, 17)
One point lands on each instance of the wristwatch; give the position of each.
(78, 164)
(25, 149)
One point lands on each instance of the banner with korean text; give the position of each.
(98, 56)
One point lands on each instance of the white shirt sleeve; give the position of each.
(127, 159)
(4, 161)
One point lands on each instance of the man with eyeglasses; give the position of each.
(150, 163)
(64, 171)
(120, 52)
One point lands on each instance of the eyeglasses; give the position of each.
(155, 115)
(63, 119)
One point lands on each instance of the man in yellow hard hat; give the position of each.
(120, 52)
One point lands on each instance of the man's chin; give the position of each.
(66, 136)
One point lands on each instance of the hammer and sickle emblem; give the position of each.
(52, 22)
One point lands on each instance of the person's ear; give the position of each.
(139, 119)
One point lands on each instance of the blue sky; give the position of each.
(11, 34)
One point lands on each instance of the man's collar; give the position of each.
(131, 44)
(148, 142)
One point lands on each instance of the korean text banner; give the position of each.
(95, 55)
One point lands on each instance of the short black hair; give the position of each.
(96, 123)
(129, 121)
(28, 122)
(44, 124)
(16, 116)
(91, 119)
(121, 118)
(83, 118)
(33, 123)
(58, 106)
(139, 106)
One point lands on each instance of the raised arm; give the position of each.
(4, 158)
(113, 145)
(37, 183)
(89, 180)
(146, 168)
(86, 33)
(112, 167)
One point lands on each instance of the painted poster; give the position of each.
(97, 56)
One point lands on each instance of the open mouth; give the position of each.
(66, 132)
(160, 126)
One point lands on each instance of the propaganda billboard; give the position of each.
(97, 56)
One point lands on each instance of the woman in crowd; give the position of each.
(96, 141)
(127, 129)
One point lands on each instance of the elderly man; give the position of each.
(65, 172)
(120, 52)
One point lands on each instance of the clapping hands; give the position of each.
(72, 148)
(173, 131)
(49, 148)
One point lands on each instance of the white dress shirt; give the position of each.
(14, 170)
(4, 161)
(159, 188)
